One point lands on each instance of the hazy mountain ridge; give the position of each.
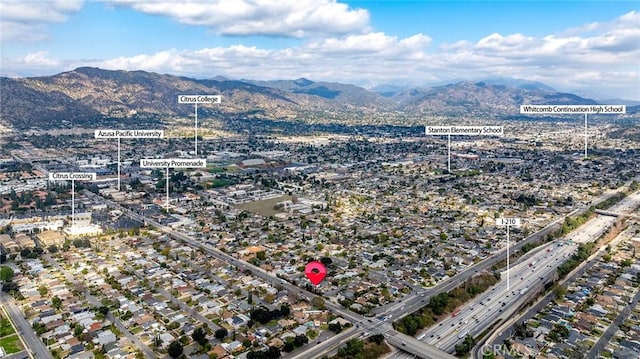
(468, 97)
(344, 93)
(81, 96)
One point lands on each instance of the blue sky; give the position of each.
(588, 47)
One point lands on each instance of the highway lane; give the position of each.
(491, 305)
(411, 302)
(372, 325)
(415, 301)
(505, 331)
(331, 344)
(487, 308)
(412, 345)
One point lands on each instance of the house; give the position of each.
(9, 245)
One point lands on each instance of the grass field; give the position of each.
(263, 208)
(11, 344)
(5, 327)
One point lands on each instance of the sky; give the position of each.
(586, 47)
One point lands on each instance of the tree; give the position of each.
(377, 338)
(221, 333)
(300, 340)
(352, 348)
(157, 342)
(199, 335)
(6, 274)
(288, 347)
(273, 353)
(335, 327)
(326, 261)
(77, 331)
(56, 302)
(9, 287)
(175, 349)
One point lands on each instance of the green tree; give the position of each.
(221, 333)
(175, 349)
(77, 331)
(199, 335)
(6, 274)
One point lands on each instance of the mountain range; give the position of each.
(85, 95)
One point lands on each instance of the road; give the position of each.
(613, 328)
(497, 303)
(93, 301)
(390, 312)
(505, 331)
(526, 277)
(373, 326)
(185, 308)
(34, 345)
(331, 344)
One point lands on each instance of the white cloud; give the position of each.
(605, 59)
(39, 59)
(25, 20)
(290, 18)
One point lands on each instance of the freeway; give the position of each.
(415, 301)
(374, 326)
(491, 306)
(527, 277)
(329, 345)
(505, 331)
(381, 324)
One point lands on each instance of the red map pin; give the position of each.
(315, 271)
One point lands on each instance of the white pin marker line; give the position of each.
(461, 131)
(172, 163)
(574, 110)
(72, 176)
(508, 222)
(127, 134)
(196, 99)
